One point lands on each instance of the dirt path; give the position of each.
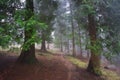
(49, 68)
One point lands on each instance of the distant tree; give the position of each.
(73, 28)
(47, 14)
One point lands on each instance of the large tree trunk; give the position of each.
(43, 45)
(28, 55)
(94, 63)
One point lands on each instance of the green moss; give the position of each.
(77, 62)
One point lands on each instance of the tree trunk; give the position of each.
(94, 63)
(87, 43)
(88, 54)
(48, 45)
(80, 43)
(61, 44)
(43, 45)
(68, 49)
(73, 32)
(28, 55)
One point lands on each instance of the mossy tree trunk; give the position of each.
(94, 63)
(28, 55)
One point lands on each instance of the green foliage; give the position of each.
(4, 40)
(88, 7)
(32, 24)
(20, 16)
(46, 16)
(110, 41)
(6, 22)
(96, 47)
(5, 35)
(30, 41)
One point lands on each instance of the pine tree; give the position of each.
(28, 51)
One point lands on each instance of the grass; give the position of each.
(77, 62)
(106, 74)
(49, 56)
(52, 51)
(110, 75)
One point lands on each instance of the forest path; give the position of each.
(50, 67)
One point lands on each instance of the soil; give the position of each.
(54, 67)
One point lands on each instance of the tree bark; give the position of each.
(68, 45)
(28, 55)
(80, 43)
(88, 54)
(73, 32)
(94, 63)
(43, 45)
(48, 45)
(61, 44)
(87, 43)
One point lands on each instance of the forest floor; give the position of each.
(50, 67)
